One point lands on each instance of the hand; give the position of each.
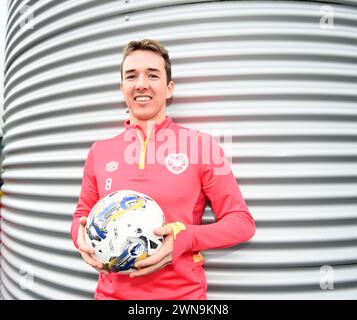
(161, 258)
(87, 252)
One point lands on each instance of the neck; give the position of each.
(147, 124)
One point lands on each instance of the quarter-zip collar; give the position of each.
(158, 126)
(143, 139)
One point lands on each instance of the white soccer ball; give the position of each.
(120, 229)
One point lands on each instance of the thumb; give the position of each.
(83, 221)
(163, 231)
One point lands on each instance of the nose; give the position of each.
(141, 83)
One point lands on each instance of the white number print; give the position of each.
(108, 184)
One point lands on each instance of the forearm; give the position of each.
(87, 198)
(74, 230)
(234, 228)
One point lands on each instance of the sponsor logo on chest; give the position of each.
(112, 166)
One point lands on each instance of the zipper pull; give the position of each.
(142, 156)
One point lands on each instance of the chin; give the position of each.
(144, 115)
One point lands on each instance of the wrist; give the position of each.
(176, 227)
(182, 243)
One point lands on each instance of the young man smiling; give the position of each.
(182, 180)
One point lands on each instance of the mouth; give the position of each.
(142, 98)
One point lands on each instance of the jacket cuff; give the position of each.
(182, 240)
(176, 227)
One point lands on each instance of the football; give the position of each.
(120, 229)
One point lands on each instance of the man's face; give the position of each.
(144, 86)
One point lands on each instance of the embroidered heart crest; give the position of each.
(176, 162)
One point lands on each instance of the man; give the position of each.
(181, 169)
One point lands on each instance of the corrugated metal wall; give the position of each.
(279, 76)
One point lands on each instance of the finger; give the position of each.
(83, 221)
(91, 261)
(82, 245)
(149, 269)
(103, 271)
(85, 248)
(152, 260)
(162, 231)
(163, 252)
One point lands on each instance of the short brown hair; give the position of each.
(151, 45)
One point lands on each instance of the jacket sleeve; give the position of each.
(88, 195)
(234, 223)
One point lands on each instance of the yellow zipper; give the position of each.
(143, 148)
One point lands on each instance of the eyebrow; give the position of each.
(150, 69)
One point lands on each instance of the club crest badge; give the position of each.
(176, 162)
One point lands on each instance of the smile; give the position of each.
(142, 98)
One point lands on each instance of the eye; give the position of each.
(130, 77)
(153, 76)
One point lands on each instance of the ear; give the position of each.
(121, 89)
(170, 90)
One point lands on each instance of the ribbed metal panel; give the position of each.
(269, 74)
